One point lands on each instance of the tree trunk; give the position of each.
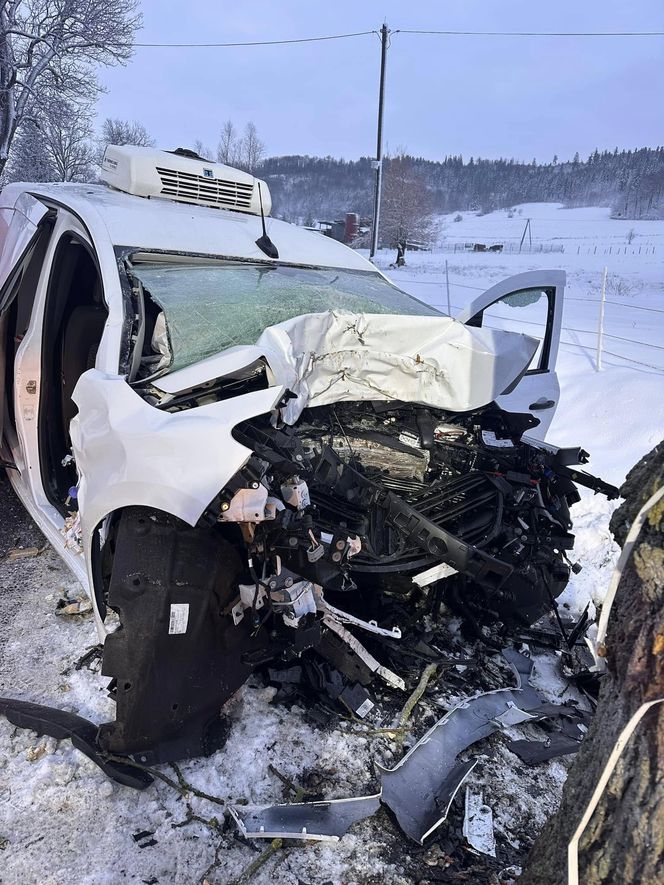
(624, 840)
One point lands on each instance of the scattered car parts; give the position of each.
(420, 789)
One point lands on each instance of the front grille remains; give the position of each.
(190, 188)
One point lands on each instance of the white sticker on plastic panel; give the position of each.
(489, 438)
(364, 708)
(179, 618)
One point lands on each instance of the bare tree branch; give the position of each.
(406, 204)
(46, 44)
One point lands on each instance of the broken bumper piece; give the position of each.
(318, 821)
(420, 789)
(534, 752)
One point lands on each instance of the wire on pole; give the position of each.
(535, 33)
(246, 42)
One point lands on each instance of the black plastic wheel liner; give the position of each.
(175, 667)
(81, 732)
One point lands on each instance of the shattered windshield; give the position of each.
(209, 307)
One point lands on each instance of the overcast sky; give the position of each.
(480, 96)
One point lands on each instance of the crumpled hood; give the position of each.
(337, 356)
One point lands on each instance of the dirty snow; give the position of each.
(62, 821)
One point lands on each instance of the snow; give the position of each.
(64, 821)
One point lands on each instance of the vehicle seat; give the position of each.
(80, 343)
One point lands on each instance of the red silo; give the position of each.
(352, 226)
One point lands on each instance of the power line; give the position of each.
(536, 33)
(632, 306)
(228, 45)
(436, 283)
(633, 341)
(630, 360)
(249, 42)
(583, 347)
(578, 344)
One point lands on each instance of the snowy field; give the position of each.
(62, 821)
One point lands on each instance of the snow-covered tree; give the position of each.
(115, 131)
(67, 134)
(52, 47)
(29, 160)
(54, 143)
(406, 205)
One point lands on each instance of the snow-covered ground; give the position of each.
(61, 820)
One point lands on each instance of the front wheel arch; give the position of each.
(177, 656)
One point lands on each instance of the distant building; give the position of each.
(345, 231)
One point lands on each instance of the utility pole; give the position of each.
(378, 162)
(526, 230)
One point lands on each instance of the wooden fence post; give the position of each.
(447, 281)
(600, 331)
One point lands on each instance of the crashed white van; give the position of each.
(241, 437)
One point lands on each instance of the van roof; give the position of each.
(160, 224)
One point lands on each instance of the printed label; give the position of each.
(179, 618)
(364, 708)
(489, 438)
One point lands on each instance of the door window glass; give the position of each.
(527, 312)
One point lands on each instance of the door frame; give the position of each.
(550, 281)
(528, 395)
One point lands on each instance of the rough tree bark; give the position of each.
(624, 841)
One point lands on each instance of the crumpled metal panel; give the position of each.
(337, 356)
(130, 453)
(434, 361)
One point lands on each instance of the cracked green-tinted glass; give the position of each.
(211, 307)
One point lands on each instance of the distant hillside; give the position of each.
(305, 189)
